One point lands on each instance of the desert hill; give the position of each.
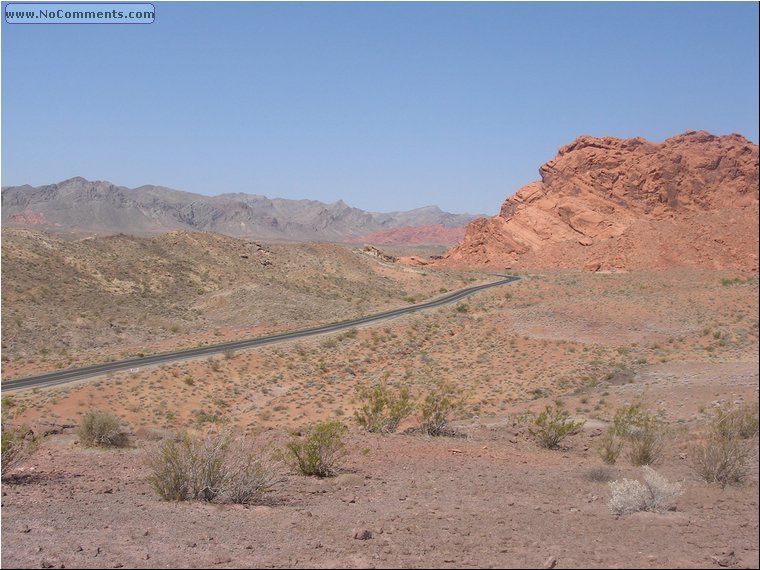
(67, 302)
(102, 207)
(628, 204)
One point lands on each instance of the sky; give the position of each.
(387, 106)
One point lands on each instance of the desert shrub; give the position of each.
(723, 461)
(213, 468)
(382, 410)
(602, 474)
(726, 452)
(736, 422)
(654, 494)
(643, 432)
(320, 450)
(438, 406)
(18, 441)
(552, 425)
(610, 446)
(99, 428)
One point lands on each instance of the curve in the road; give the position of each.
(74, 374)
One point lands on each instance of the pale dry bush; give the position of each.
(655, 494)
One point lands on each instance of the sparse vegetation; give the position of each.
(320, 451)
(643, 432)
(18, 442)
(383, 409)
(101, 429)
(214, 468)
(610, 446)
(725, 454)
(654, 494)
(552, 425)
(438, 406)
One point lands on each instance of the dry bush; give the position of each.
(320, 450)
(602, 474)
(736, 421)
(382, 410)
(18, 442)
(726, 453)
(552, 425)
(213, 468)
(99, 428)
(654, 494)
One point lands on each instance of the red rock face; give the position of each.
(28, 218)
(430, 234)
(608, 203)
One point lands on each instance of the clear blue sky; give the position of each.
(388, 106)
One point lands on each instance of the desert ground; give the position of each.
(679, 342)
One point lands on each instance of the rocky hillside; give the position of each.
(608, 203)
(101, 207)
(430, 234)
(67, 302)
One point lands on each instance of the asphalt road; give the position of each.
(75, 374)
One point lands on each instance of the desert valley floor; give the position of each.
(680, 342)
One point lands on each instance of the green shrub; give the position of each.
(438, 406)
(102, 429)
(382, 410)
(610, 446)
(321, 449)
(213, 468)
(643, 432)
(552, 425)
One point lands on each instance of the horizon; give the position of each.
(387, 107)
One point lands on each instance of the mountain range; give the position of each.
(82, 205)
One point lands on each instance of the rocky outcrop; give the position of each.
(608, 203)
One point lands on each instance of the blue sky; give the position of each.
(388, 106)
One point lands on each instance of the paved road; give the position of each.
(74, 374)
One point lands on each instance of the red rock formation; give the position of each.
(28, 218)
(429, 234)
(608, 203)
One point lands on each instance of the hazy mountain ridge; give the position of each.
(103, 207)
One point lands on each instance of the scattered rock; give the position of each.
(363, 534)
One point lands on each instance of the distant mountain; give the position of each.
(101, 207)
(628, 204)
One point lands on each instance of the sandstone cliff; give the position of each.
(608, 203)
